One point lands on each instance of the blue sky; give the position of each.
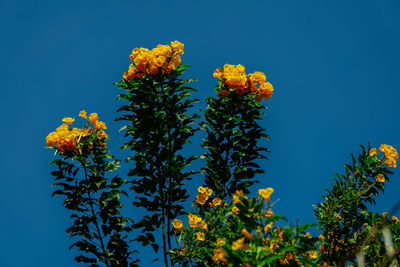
(334, 65)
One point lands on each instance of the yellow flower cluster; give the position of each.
(67, 138)
(221, 242)
(161, 59)
(380, 178)
(237, 195)
(219, 255)
(200, 236)
(178, 225)
(390, 154)
(239, 244)
(235, 78)
(266, 193)
(204, 193)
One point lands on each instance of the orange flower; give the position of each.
(93, 118)
(246, 234)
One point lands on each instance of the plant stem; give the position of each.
(169, 178)
(95, 220)
(163, 229)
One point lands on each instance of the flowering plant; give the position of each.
(244, 232)
(224, 227)
(99, 230)
(158, 125)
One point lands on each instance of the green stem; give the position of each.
(163, 230)
(95, 220)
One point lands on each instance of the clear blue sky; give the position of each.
(334, 64)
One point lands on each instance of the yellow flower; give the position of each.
(201, 199)
(209, 191)
(93, 118)
(308, 235)
(202, 225)
(235, 78)
(237, 195)
(372, 152)
(200, 236)
(202, 190)
(177, 224)
(390, 155)
(273, 246)
(280, 233)
(266, 193)
(268, 213)
(385, 214)
(394, 218)
(219, 255)
(83, 114)
(100, 125)
(238, 244)
(194, 220)
(66, 138)
(68, 120)
(216, 201)
(265, 90)
(220, 242)
(380, 178)
(235, 210)
(161, 59)
(313, 254)
(321, 236)
(268, 227)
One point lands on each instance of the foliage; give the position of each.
(343, 213)
(158, 125)
(225, 227)
(233, 133)
(243, 233)
(99, 230)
